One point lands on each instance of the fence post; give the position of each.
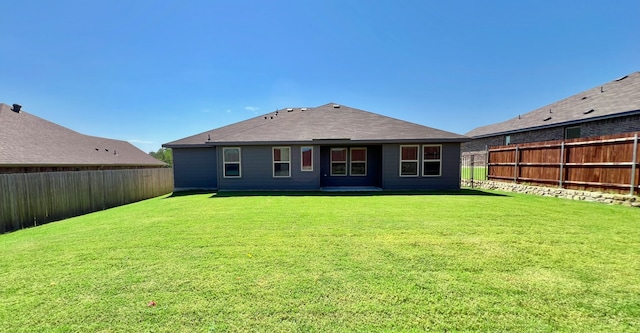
(486, 162)
(561, 175)
(515, 166)
(633, 164)
(473, 157)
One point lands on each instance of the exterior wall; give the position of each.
(194, 168)
(257, 170)
(374, 166)
(592, 128)
(383, 170)
(482, 143)
(611, 126)
(547, 134)
(448, 180)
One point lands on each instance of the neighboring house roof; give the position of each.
(27, 140)
(614, 99)
(327, 123)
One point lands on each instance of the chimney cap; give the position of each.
(16, 108)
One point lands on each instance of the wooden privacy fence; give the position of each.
(30, 199)
(604, 163)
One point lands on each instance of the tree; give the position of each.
(164, 155)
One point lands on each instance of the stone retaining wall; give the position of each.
(608, 198)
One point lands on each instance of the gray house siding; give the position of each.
(194, 168)
(448, 180)
(257, 170)
(383, 170)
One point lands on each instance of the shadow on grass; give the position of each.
(230, 194)
(187, 193)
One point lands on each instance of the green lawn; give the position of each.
(478, 173)
(475, 261)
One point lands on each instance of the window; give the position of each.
(507, 139)
(231, 161)
(338, 161)
(281, 162)
(431, 160)
(306, 159)
(572, 132)
(358, 162)
(408, 161)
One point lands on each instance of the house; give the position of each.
(610, 108)
(318, 148)
(31, 144)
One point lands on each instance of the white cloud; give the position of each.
(252, 108)
(228, 111)
(205, 110)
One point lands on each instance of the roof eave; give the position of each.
(318, 142)
(51, 165)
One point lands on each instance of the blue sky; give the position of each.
(151, 72)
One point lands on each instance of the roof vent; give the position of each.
(589, 111)
(601, 89)
(290, 110)
(546, 119)
(584, 97)
(303, 109)
(16, 108)
(622, 78)
(336, 106)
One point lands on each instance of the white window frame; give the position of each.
(302, 158)
(425, 159)
(417, 161)
(225, 162)
(507, 140)
(346, 161)
(351, 161)
(273, 160)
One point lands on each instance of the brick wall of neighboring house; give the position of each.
(611, 126)
(547, 134)
(482, 144)
(593, 128)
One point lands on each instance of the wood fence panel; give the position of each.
(29, 199)
(542, 173)
(604, 163)
(541, 155)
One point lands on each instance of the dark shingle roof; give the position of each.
(326, 122)
(27, 140)
(616, 98)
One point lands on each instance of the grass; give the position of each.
(478, 173)
(476, 261)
